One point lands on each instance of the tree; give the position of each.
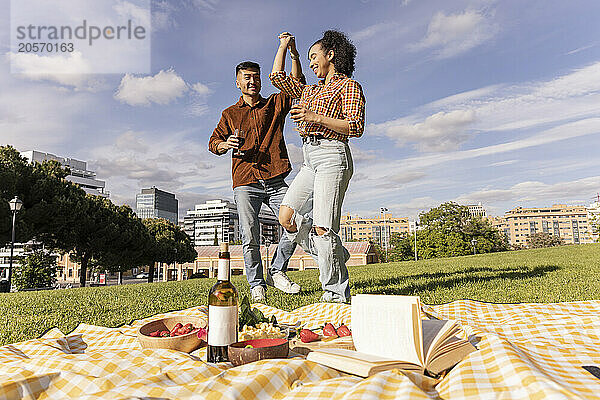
(401, 247)
(595, 225)
(37, 270)
(169, 244)
(379, 252)
(132, 243)
(543, 239)
(447, 231)
(61, 215)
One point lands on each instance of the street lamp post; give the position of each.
(416, 224)
(474, 243)
(385, 237)
(15, 206)
(267, 243)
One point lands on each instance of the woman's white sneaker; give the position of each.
(282, 282)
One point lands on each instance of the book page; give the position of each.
(388, 327)
(435, 335)
(352, 354)
(357, 363)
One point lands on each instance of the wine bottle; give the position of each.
(222, 311)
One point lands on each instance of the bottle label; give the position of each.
(223, 270)
(222, 325)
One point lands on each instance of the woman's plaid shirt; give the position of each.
(341, 98)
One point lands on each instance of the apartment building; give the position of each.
(571, 223)
(501, 224)
(80, 175)
(378, 229)
(477, 210)
(594, 220)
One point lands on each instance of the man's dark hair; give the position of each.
(246, 65)
(343, 49)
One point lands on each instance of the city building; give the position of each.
(156, 203)
(568, 222)
(18, 251)
(220, 218)
(501, 224)
(80, 175)
(476, 210)
(378, 229)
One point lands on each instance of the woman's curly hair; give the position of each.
(343, 50)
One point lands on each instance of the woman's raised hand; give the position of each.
(285, 38)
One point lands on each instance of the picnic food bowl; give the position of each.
(264, 331)
(186, 343)
(241, 353)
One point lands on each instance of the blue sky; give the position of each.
(472, 101)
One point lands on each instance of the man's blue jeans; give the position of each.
(249, 199)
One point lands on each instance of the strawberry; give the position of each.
(202, 334)
(343, 330)
(307, 336)
(189, 327)
(155, 333)
(165, 334)
(182, 331)
(175, 329)
(329, 330)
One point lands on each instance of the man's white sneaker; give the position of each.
(281, 281)
(258, 294)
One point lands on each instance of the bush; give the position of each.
(37, 270)
(542, 239)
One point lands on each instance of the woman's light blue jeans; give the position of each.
(323, 178)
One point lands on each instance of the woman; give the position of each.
(328, 113)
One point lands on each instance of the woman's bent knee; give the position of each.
(285, 218)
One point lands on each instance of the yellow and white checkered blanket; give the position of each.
(526, 351)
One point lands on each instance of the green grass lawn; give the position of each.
(558, 274)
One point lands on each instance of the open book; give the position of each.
(388, 333)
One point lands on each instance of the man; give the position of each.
(259, 165)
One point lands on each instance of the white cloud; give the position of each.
(68, 70)
(569, 97)
(173, 162)
(450, 35)
(295, 154)
(373, 30)
(439, 132)
(562, 132)
(162, 88)
(537, 193)
(35, 116)
(200, 93)
(415, 206)
(502, 163)
(127, 10)
(582, 48)
(164, 13)
(201, 89)
(359, 155)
